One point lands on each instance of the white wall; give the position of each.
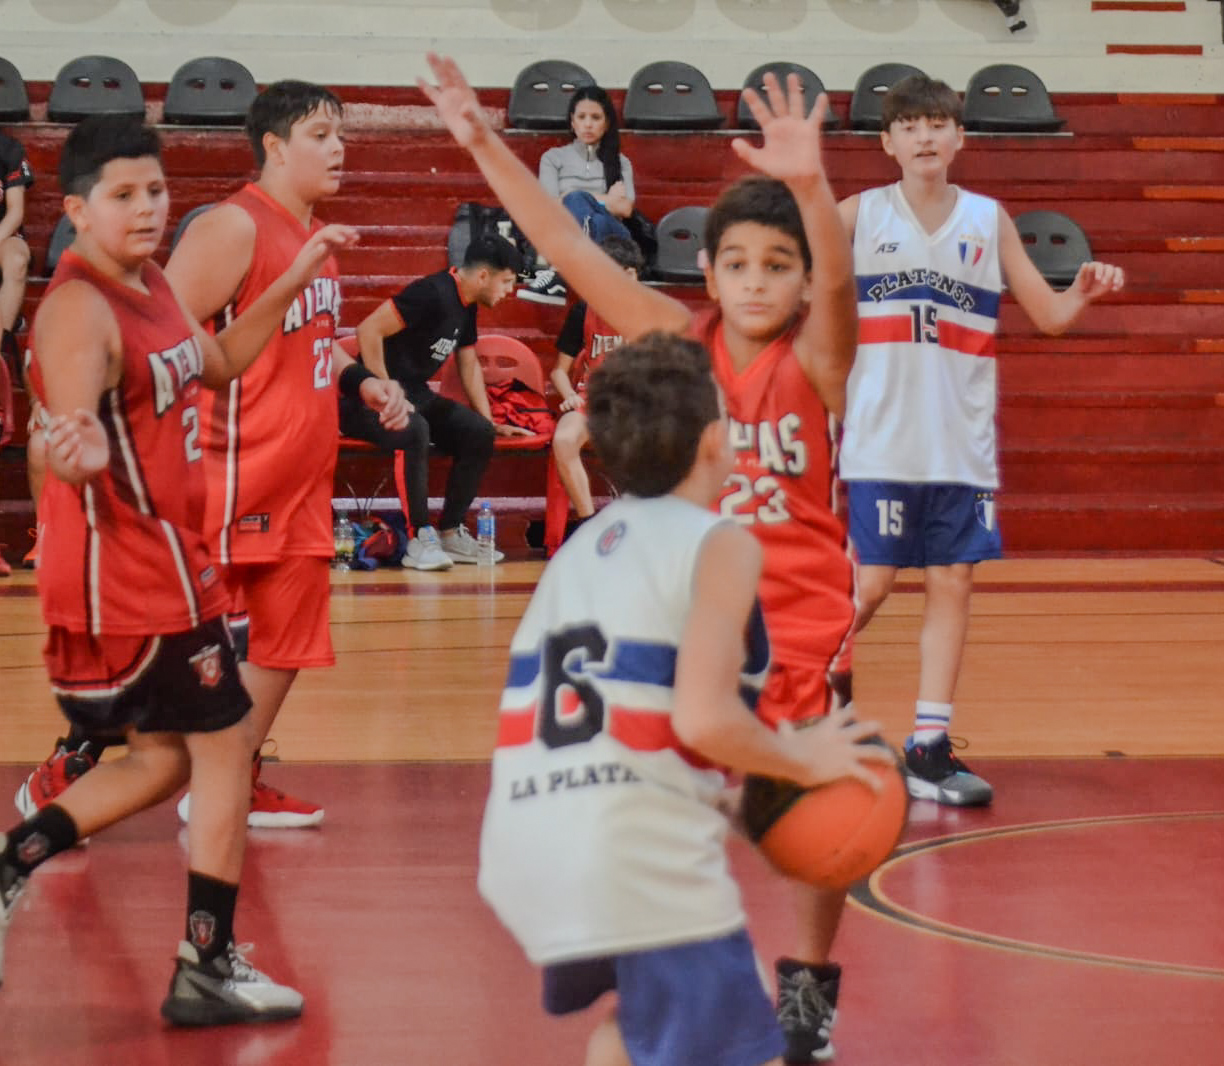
(382, 42)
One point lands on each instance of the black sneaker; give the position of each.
(11, 887)
(807, 1009)
(547, 288)
(226, 991)
(933, 772)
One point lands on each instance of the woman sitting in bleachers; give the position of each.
(590, 177)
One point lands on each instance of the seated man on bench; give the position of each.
(407, 339)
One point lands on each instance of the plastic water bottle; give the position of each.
(486, 535)
(342, 533)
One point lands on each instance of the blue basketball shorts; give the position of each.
(906, 525)
(697, 1004)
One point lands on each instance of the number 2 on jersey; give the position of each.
(751, 500)
(323, 363)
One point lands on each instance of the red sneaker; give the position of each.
(52, 777)
(270, 807)
(273, 809)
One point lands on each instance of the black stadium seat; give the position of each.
(1006, 98)
(867, 101)
(542, 92)
(670, 95)
(211, 91)
(93, 85)
(812, 88)
(14, 101)
(1055, 243)
(681, 234)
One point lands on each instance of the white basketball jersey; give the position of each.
(922, 395)
(600, 833)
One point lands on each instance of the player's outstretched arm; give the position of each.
(631, 307)
(710, 717)
(238, 345)
(1051, 312)
(79, 353)
(792, 153)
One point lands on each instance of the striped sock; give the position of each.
(931, 721)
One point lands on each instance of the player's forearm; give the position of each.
(373, 352)
(729, 734)
(562, 383)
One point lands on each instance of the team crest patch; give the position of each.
(971, 249)
(611, 538)
(984, 507)
(207, 663)
(203, 928)
(33, 849)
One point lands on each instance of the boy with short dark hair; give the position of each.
(137, 649)
(602, 848)
(919, 450)
(407, 339)
(585, 339)
(781, 338)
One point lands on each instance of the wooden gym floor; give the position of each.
(1080, 920)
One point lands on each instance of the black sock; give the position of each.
(48, 833)
(210, 914)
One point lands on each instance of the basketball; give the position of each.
(830, 836)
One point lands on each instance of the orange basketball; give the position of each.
(829, 836)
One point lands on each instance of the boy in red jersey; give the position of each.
(269, 440)
(137, 647)
(782, 339)
(583, 342)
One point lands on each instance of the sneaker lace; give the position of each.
(240, 967)
(955, 765)
(428, 536)
(544, 278)
(268, 747)
(801, 1004)
(465, 538)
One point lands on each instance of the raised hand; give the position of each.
(77, 447)
(1095, 280)
(321, 246)
(791, 152)
(455, 100)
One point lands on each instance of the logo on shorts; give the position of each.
(611, 538)
(203, 928)
(254, 523)
(33, 849)
(207, 663)
(984, 507)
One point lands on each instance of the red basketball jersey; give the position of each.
(783, 488)
(598, 339)
(270, 437)
(124, 554)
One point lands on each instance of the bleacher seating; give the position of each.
(1006, 98)
(670, 95)
(1056, 244)
(542, 92)
(867, 101)
(14, 100)
(91, 85)
(211, 90)
(1111, 436)
(781, 69)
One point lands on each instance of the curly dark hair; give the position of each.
(647, 405)
(280, 105)
(759, 199)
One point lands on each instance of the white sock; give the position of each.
(931, 721)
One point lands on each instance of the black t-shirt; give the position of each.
(572, 338)
(14, 168)
(436, 323)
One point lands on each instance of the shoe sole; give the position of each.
(409, 564)
(536, 298)
(261, 820)
(196, 1013)
(921, 788)
(266, 820)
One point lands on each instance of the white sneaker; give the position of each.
(226, 991)
(547, 288)
(461, 546)
(425, 552)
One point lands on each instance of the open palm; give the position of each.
(791, 150)
(455, 100)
